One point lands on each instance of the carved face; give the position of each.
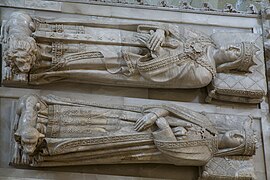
(21, 53)
(22, 60)
(232, 139)
(230, 52)
(28, 138)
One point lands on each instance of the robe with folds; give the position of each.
(81, 133)
(113, 54)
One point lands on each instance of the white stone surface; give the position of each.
(190, 98)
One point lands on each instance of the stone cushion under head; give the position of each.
(249, 86)
(233, 167)
(240, 86)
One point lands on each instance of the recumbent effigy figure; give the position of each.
(56, 131)
(43, 51)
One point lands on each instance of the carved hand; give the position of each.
(179, 131)
(156, 39)
(153, 40)
(145, 122)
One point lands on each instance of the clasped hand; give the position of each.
(154, 39)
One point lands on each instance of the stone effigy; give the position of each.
(147, 55)
(134, 44)
(41, 51)
(55, 131)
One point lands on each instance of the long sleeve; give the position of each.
(184, 72)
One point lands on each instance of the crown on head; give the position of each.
(248, 50)
(250, 142)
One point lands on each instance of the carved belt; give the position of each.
(159, 63)
(178, 59)
(74, 57)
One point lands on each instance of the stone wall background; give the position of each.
(194, 98)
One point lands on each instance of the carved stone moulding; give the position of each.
(56, 131)
(40, 51)
(184, 5)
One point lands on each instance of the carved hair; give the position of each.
(245, 60)
(22, 46)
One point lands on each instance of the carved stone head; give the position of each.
(21, 53)
(236, 142)
(231, 139)
(28, 138)
(238, 57)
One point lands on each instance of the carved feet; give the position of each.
(16, 159)
(20, 158)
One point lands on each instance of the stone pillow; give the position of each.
(240, 86)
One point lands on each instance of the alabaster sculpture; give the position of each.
(57, 131)
(40, 51)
